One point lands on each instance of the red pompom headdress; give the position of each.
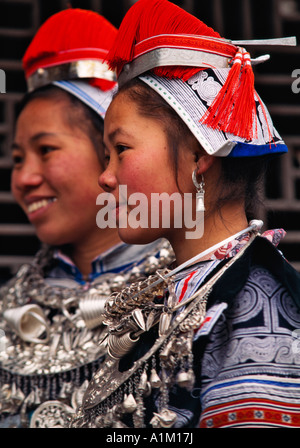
(71, 44)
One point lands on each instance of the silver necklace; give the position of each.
(41, 371)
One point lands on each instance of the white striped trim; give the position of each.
(95, 98)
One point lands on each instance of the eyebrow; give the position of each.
(34, 138)
(117, 131)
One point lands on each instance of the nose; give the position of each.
(107, 180)
(28, 176)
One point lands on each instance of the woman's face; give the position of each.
(138, 157)
(55, 173)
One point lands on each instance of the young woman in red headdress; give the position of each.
(211, 343)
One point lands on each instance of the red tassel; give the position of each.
(233, 110)
(68, 30)
(243, 113)
(218, 114)
(147, 18)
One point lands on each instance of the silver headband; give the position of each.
(87, 68)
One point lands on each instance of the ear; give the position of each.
(204, 162)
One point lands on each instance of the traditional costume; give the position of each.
(51, 322)
(210, 343)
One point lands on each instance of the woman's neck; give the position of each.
(83, 253)
(217, 227)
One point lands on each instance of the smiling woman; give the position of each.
(50, 155)
(49, 352)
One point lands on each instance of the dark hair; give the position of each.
(241, 178)
(78, 115)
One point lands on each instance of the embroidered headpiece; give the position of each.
(181, 58)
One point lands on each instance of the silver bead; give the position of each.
(164, 254)
(155, 381)
(135, 274)
(118, 283)
(129, 404)
(151, 265)
(185, 379)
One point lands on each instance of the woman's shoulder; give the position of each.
(261, 264)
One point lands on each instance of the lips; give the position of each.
(38, 204)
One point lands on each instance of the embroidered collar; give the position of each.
(232, 248)
(189, 280)
(119, 258)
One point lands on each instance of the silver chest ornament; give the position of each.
(113, 394)
(44, 351)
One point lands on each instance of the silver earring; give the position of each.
(200, 192)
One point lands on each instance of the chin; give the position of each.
(139, 236)
(52, 238)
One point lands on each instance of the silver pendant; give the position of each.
(155, 381)
(139, 319)
(52, 414)
(143, 382)
(200, 202)
(129, 404)
(164, 323)
(186, 379)
(150, 319)
(199, 192)
(164, 419)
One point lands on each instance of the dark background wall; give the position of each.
(234, 19)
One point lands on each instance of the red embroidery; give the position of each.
(185, 285)
(254, 413)
(207, 319)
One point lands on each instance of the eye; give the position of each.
(46, 149)
(17, 159)
(121, 148)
